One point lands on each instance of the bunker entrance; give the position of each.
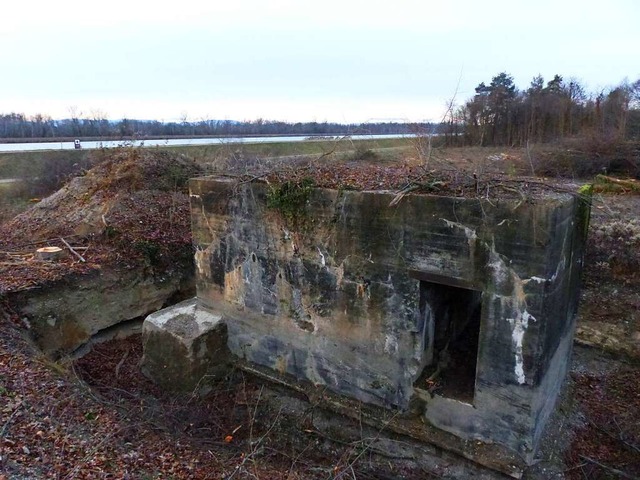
(451, 318)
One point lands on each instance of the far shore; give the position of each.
(171, 137)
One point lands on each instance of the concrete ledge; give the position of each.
(490, 455)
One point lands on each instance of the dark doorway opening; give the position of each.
(451, 335)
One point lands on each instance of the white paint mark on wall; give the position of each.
(519, 326)
(500, 270)
(390, 344)
(538, 280)
(202, 262)
(560, 267)
(247, 270)
(516, 303)
(469, 233)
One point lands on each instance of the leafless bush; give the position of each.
(614, 247)
(362, 154)
(49, 174)
(586, 156)
(235, 160)
(13, 200)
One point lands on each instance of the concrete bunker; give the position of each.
(456, 314)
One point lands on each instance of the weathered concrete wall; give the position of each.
(333, 295)
(62, 319)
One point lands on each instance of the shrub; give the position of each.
(615, 246)
(290, 198)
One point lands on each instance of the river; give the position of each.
(174, 142)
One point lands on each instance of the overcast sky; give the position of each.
(335, 60)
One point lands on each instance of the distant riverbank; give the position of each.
(127, 138)
(68, 144)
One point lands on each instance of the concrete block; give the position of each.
(185, 347)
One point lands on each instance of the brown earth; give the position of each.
(610, 303)
(98, 417)
(131, 211)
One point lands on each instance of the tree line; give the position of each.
(20, 126)
(498, 114)
(501, 114)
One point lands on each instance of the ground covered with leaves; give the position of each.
(99, 417)
(607, 396)
(130, 211)
(418, 179)
(609, 442)
(65, 421)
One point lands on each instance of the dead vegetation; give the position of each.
(130, 211)
(100, 418)
(606, 440)
(608, 445)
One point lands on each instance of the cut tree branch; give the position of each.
(80, 257)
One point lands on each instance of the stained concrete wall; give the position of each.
(333, 295)
(67, 315)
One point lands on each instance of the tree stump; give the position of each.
(49, 254)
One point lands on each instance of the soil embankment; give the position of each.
(124, 229)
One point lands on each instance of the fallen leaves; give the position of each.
(131, 211)
(611, 435)
(56, 428)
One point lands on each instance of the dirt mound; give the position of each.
(131, 211)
